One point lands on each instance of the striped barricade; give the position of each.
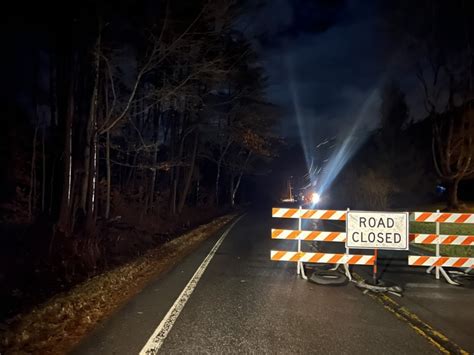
(318, 236)
(438, 261)
(443, 261)
(299, 235)
(309, 214)
(444, 239)
(323, 258)
(443, 217)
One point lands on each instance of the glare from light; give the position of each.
(354, 138)
(315, 198)
(350, 140)
(306, 141)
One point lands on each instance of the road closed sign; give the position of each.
(377, 230)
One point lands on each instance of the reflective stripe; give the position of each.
(325, 258)
(309, 235)
(443, 217)
(309, 214)
(440, 261)
(444, 239)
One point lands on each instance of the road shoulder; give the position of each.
(59, 324)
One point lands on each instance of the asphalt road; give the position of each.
(445, 307)
(245, 303)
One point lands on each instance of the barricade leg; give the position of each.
(437, 248)
(346, 266)
(447, 277)
(299, 264)
(303, 273)
(439, 269)
(348, 272)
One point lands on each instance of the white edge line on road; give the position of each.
(156, 340)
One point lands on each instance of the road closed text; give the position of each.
(377, 230)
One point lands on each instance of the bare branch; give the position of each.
(161, 166)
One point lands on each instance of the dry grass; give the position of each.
(448, 250)
(57, 325)
(445, 228)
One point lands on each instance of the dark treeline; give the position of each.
(396, 166)
(145, 108)
(440, 50)
(404, 160)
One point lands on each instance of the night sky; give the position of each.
(327, 58)
(337, 55)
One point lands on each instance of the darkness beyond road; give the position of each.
(245, 303)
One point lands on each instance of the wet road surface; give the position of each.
(245, 303)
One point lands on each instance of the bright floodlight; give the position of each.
(315, 197)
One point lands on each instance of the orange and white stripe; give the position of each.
(309, 214)
(324, 258)
(319, 236)
(440, 261)
(444, 239)
(444, 217)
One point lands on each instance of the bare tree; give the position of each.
(442, 48)
(453, 148)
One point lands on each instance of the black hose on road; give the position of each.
(380, 287)
(326, 277)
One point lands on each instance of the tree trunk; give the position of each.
(156, 118)
(92, 210)
(219, 165)
(35, 91)
(52, 90)
(132, 169)
(453, 202)
(198, 187)
(218, 176)
(65, 210)
(174, 191)
(87, 167)
(88, 188)
(176, 172)
(231, 190)
(109, 177)
(51, 187)
(189, 176)
(68, 78)
(31, 196)
(236, 188)
(43, 182)
(153, 176)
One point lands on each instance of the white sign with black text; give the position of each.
(377, 230)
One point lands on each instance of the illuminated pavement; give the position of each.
(445, 307)
(246, 303)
